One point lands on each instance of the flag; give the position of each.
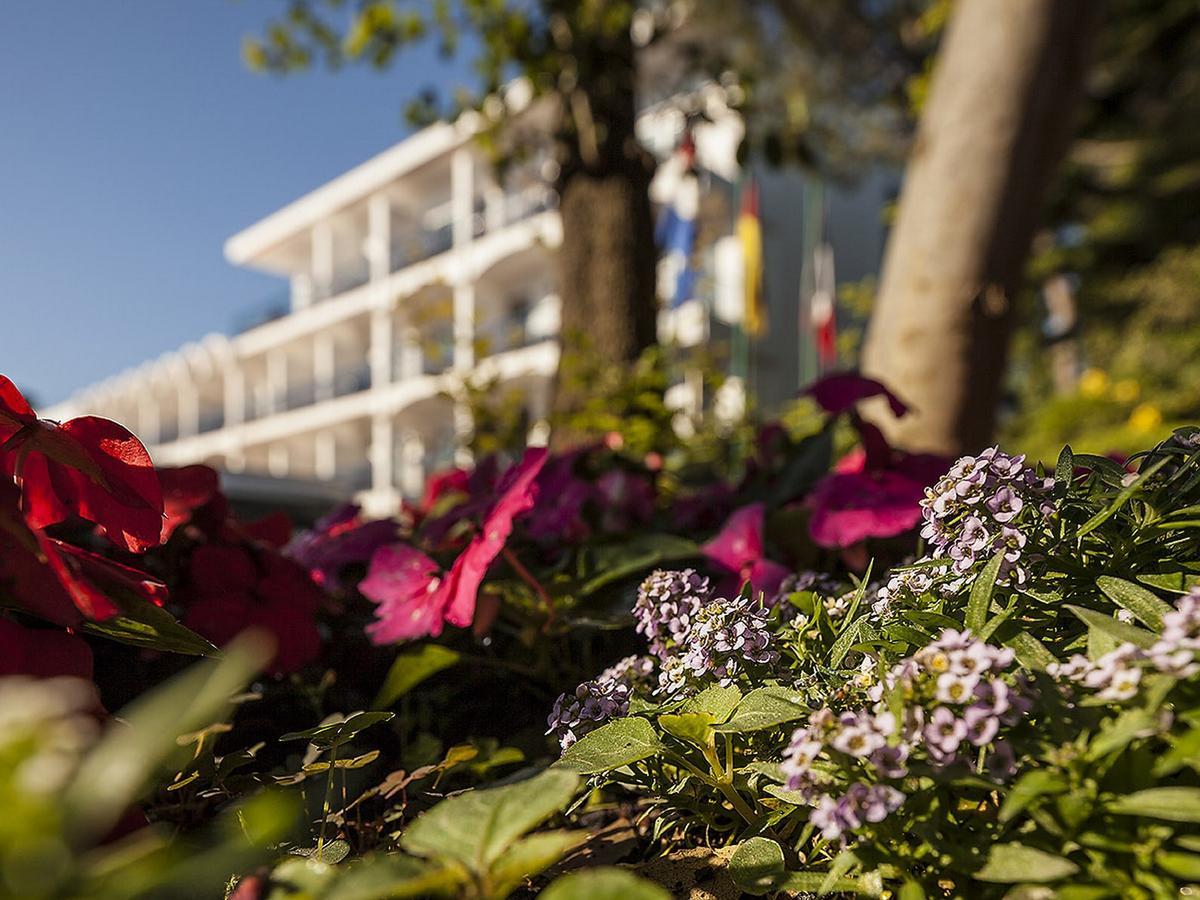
(675, 231)
(822, 308)
(749, 231)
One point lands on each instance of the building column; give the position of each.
(412, 464)
(325, 455)
(462, 193)
(464, 362)
(147, 419)
(277, 380)
(379, 353)
(277, 460)
(379, 236)
(324, 365)
(381, 455)
(188, 409)
(411, 363)
(235, 395)
(302, 291)
(322, 260)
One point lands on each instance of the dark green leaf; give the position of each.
(1148, 608)
(475, 828)
(756, 865)
(603, 884)
(1175, 804)
(336, 733)
(611, 746)
(1110, 627)
(981, 594)
(410, 668)
(143, 624)
(766, 707)
(1018, 863)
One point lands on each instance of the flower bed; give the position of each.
(813, 677)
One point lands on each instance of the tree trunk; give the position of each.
(996, 124)
(607, 263)
(608, 260)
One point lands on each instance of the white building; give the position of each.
(406, 274)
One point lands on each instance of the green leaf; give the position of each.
(115, 771)
(756, 865)
(719, 702)
(1110, 627)
(765, 707)
(619, 743)
(1064, 469)
(1148, 608)
(332, 853)
(1115, 734)
(695, 728)
(531, 856)
(1033, 784)
(475, 828)
(981, 594)
(334, 734)
(856, 631)
(613, 562)
(392, 875)
(142, 624)
(410, 668)
(603, 883)
(1181, 865)
(1175, 804)
(1018, 863)
(1121, 499)
(1030, 652)
(869, 885)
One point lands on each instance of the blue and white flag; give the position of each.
(675, 232)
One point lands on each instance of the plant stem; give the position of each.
(328, 796)
(525, 575)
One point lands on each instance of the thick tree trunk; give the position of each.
(607, 261)
(997, 121)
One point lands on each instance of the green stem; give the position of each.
(328, 797)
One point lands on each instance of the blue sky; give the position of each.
(133, 142)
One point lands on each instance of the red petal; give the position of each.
(128, 505)
(185, 490)
(15, 411)
(42, 652)
(740, 541)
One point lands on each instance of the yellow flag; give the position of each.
(749, 231)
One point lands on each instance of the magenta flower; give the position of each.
(738, 549)
(340, 539)
(414, 598)
(841, 391)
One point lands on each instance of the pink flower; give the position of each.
(738, 548)
(841, 391)
(851, 507)
(414, 599)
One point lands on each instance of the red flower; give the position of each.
(413, 599)
(185, 490)
(43, 652)
(739, 548)
(58, 581)
(89, 467)
(842, 391)
(233, 588)
(338, 540)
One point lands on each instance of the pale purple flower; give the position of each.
(945, 731)
(982, 726)
(954, 688)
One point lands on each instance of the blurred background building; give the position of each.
(423, 267)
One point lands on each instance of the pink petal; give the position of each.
(740, 541)
(849, 508)
(518, 494)
(401, 579)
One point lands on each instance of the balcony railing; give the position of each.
(211, 420)
(352, 380)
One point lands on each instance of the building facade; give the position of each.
(405, 276)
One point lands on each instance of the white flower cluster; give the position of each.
(1117, 675)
